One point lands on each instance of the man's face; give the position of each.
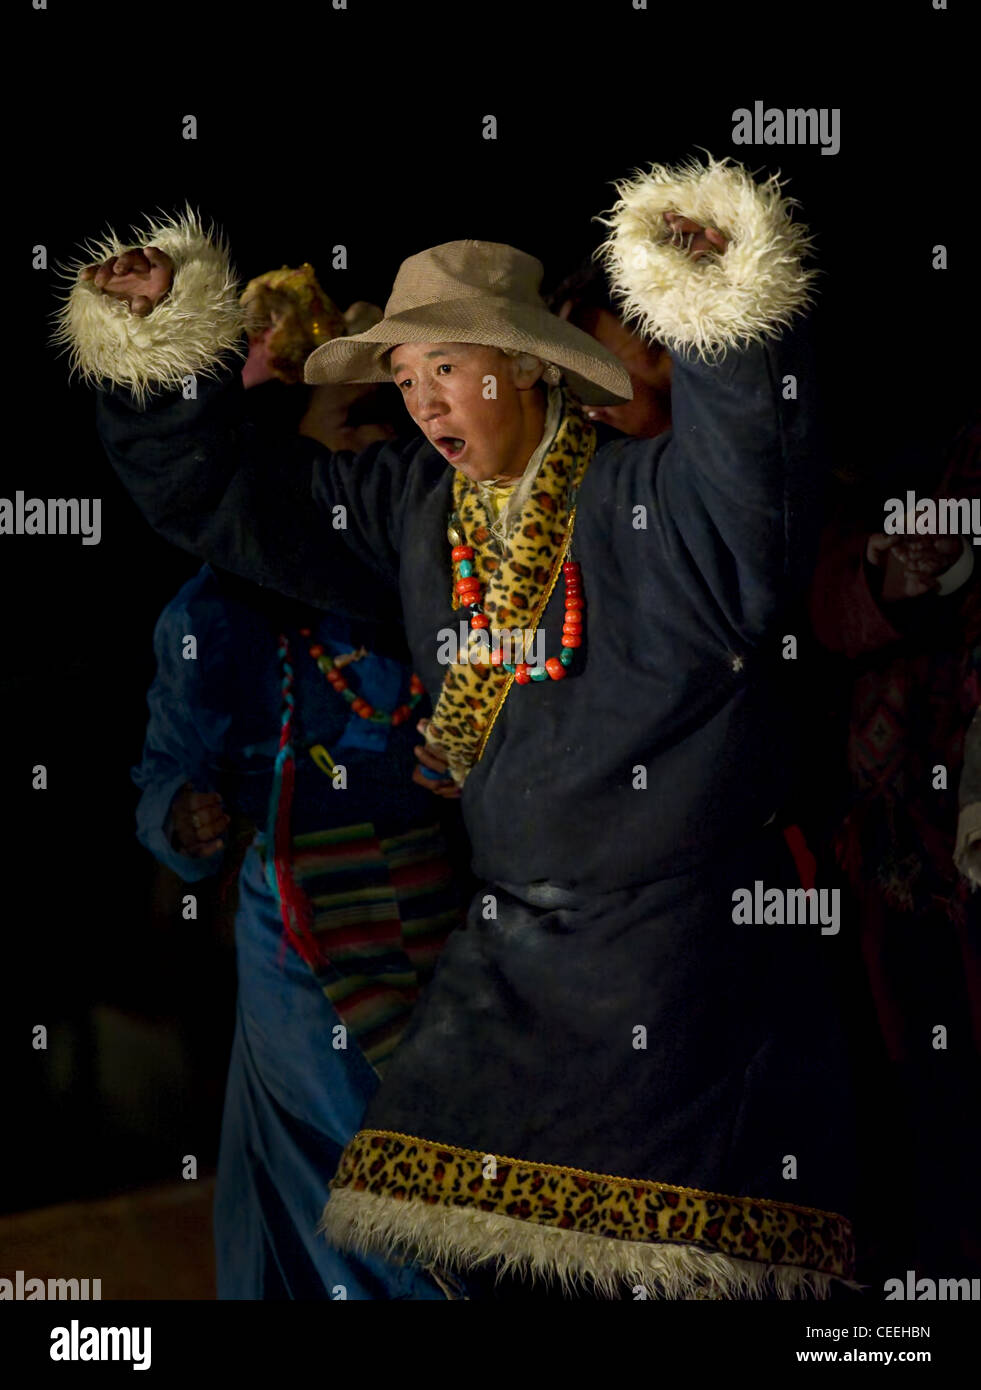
(649, 413)
(467, 401)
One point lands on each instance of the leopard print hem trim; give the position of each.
(538, 1198)
(553, 1259)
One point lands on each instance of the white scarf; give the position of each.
(520, 488)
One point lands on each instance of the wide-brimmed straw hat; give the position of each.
(474, 292)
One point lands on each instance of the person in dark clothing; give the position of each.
(288, 315)
(899, 608)
(967, 854)
(900, 619)
(640, 987)
(583, 299)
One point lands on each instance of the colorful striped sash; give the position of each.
(382, 909)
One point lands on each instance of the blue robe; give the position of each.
(293, 1100)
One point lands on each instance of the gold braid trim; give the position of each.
(553, 580)
(386, 1182)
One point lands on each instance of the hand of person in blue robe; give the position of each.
(197, 821)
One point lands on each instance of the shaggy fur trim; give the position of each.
(198, 320)
(456, 1239)
(724, 300)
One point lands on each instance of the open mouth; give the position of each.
(450, 446)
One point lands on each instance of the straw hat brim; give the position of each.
(593, 374)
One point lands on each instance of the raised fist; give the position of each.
(697, 240)
(911, 565)
(140, 277)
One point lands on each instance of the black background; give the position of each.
(364, 128)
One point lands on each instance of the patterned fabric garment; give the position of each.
(906, 720)
(382, 911)
(292, 1101)
(518, 584)
(912, 685)
(914, 696)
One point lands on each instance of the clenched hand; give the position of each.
(198, 820)
(139, 278)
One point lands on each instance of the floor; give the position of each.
(154, 1243)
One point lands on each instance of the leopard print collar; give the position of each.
(518, 577)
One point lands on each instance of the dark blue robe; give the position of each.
(614, 899)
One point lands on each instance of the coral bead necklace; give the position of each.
(331, 667)
(470, 591)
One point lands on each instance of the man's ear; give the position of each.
(526, 371)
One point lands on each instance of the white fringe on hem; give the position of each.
(458, 1238)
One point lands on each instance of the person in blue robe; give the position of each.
(294, 1097)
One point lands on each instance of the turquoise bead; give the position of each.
(508, 666)
(349, 695)
(466, 569)
(565, 656)
(539, 674)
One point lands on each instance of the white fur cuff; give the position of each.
(724, 300)
(199, 319)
